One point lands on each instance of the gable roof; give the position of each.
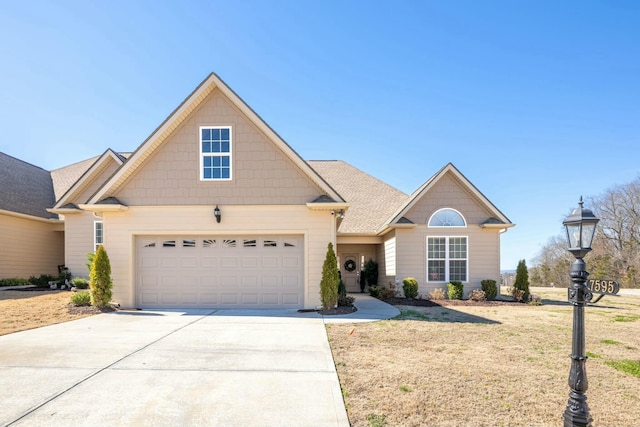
(371, 201)
(89, 172)
(180, 114)
(498, 220)
(26, 189)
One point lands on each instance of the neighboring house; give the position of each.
(214, 209)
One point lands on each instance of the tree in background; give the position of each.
(100, 279)
(522, 280)
(330, 280)
(615, 251)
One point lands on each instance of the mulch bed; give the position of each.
(447, 302)
(88, 309)
(338, 310)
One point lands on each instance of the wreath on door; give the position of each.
(350, 265)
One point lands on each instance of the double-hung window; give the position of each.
(215, 153)
(98, 234)
(447, 259)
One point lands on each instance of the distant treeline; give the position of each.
(616, 245)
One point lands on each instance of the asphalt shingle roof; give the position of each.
(65, 177)
(26, 189)
(371, 201)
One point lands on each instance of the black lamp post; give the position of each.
(580, 226)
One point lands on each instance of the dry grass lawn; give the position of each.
(21, 310)
(487, 366)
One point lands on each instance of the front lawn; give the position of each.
(22, 310)
(488, 365)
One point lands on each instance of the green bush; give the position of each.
(64, 276)
(80, 283)
(410, 287)
(14, 281)
(489, 288)
(522, 280)
(342, 289)
(330, 279)
(81, 298)
(381, 292)
(370, 273)
(454, 289)
(42, 281)
(345, 301)
(100, 279)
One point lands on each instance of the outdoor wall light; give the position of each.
(580, 226)
(340, 213)
(217, 214)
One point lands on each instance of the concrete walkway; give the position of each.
(195, 368)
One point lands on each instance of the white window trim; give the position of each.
(447, 226)
(95, 235)
(446, 259)
(201, 154)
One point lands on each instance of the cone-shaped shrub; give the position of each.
(100, 279)
(522, 280)
(330, 280)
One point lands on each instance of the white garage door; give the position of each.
(219, 272)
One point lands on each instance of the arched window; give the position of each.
(447, 217)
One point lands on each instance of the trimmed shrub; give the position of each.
(42, 281)
(342, 289)
(522, 280)
(454, 289)
(477, 295)
(381, 292)
(370, 272)
(410, 287)
(80, 283)
(517, 294)
(489, 288)
(14, 281)
(81, 298)
(100, 279)
(437, 294)
(345, 301)
(330, 279)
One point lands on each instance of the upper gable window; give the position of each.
(215, 153)
(447, 218)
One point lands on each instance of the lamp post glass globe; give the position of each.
(580, 227)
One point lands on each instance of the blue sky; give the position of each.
(536, 102)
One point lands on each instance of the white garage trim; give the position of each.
(249, 271)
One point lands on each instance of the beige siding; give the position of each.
(79, 230)
(121, 229)
(262, 174)
(92, 185)
(29, 247)
(483, 258)
(388, 260)
(448, 192)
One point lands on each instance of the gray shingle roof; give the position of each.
(26, 189)
(65, 177)
(371, 201)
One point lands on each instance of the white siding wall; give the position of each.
(121, 228)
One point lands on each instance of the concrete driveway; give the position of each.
(182, 368)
